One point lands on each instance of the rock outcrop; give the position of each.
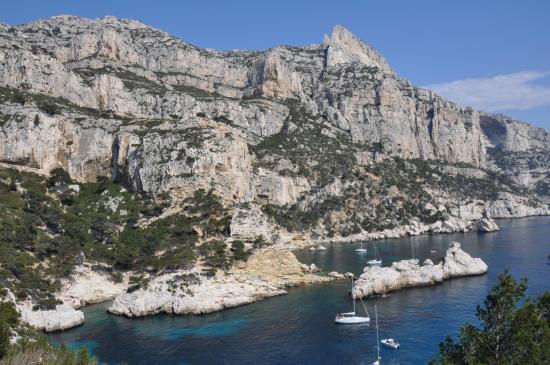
(61, 318)
(208, 296)
(90, 284)
(408, 273)
(266, 273)
(486, 225)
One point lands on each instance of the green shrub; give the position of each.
(9, 318)
(117, 276)
(260, 242)
(48, 108)
(37, 350)
(59, 177)
(512, 329)
(13, 186)
(49, 303)
(18, 98)
(239, 251)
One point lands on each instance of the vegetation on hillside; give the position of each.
(48, 225)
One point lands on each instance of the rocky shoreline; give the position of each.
(415, 228)
(408, 273)
(266, 273)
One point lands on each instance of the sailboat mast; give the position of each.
(377, 340)
(353, 299)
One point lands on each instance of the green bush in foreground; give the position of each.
(40, 351)
(509, 333)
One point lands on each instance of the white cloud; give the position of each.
(510, 91)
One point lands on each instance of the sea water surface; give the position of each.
(298, 328)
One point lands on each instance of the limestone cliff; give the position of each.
(322, 140)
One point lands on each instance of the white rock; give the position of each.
(87, 286)
(62, 317)
(407, 273)
(336, 275)
(313, 268)
(266, 273)
(486, 225)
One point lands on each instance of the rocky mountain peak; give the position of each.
(344, 47)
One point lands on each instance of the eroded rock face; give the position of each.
(519, 150)
(408, 273)
(303, 128)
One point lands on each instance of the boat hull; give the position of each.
(390, 345)
(351, 320)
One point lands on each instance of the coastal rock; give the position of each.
(510, 206)
(208, 296)
(62, 317)
(458, 263)
(408, 273)
(266, 273)
(313, 268)
(486, 225)
(336, 275)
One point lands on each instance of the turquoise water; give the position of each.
(298, 328)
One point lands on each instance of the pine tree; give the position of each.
(508, 333)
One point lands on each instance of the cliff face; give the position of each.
(521, 151)
(327, 134)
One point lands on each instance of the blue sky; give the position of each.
(492, 54)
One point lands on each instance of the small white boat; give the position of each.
(352, 317)
(361, 250)
(390, 342)
(375, 261)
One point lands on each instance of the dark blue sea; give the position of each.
(298, 328)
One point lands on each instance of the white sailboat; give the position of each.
(352, 317)
(377, 362)
(375, 261)
(361, 250)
